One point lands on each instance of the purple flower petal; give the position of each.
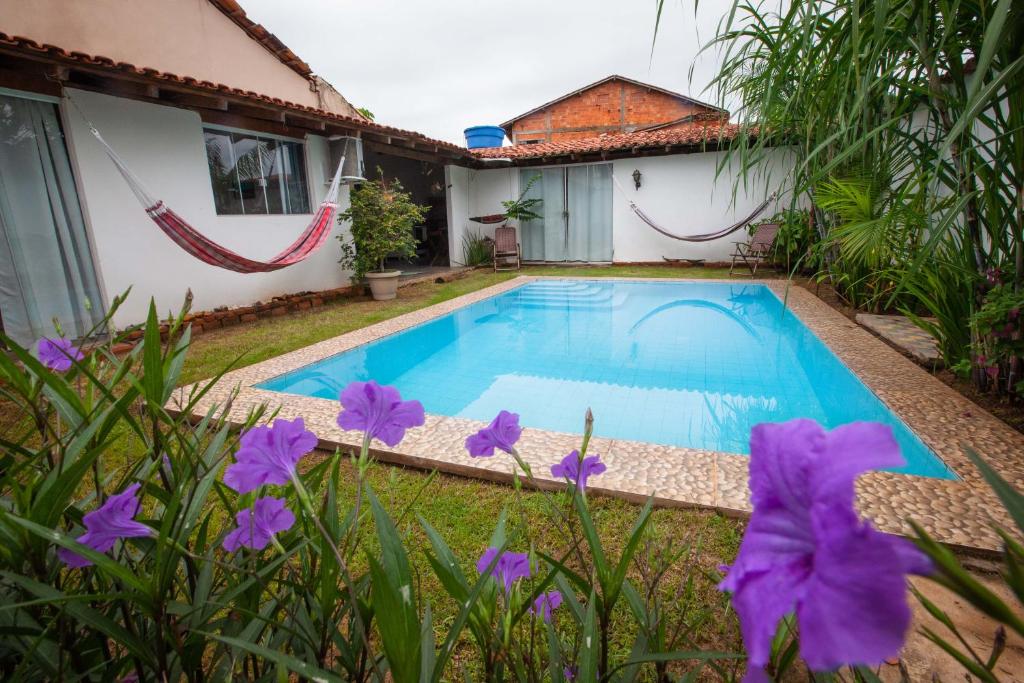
(544, 603)
(256, 526)
(509, 568)
(854, 609)
(503, 433)
(578, 472)
(268, 455)
(107, 524)
(57, 354)
(379, 411)
(806, 549)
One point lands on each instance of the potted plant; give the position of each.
(382, 215)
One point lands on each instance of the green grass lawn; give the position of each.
(465, 510)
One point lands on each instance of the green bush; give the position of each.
(382, 215)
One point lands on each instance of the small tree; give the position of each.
(382, 214)
(522, 209)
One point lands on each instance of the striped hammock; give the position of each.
(700, 237)
(208, 251)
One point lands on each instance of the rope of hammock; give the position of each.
(205, 249)
(701, 237)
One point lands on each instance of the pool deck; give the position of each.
(960, 512)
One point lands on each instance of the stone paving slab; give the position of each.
(899, 330)
(957, 512)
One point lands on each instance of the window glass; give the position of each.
(252, 174)
(294, 164)
(221, 159)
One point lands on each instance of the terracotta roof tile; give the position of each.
(27, 45)
(697, 133)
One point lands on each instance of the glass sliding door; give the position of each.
(543, 239)
(589, 192)
(577, 214)
(47, 271)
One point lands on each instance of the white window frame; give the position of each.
(311, 197)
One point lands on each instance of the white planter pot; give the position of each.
(384, 286)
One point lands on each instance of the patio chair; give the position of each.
(756, 250)
(505, 251)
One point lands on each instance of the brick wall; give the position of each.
(609, 107)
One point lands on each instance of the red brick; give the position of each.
(249, 317)
(610, 107)
(279, 310)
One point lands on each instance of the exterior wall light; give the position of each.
(636, 178)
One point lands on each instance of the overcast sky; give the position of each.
(439, 66)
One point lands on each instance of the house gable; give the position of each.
(612, 105)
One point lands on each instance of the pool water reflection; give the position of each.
(678, 363)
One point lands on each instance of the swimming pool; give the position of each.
(678, 363)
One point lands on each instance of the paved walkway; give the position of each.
(900, 331)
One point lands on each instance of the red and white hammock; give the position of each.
(205, 249)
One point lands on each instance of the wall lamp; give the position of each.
(636, 178)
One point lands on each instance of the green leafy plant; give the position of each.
(522, 209)
(382, 217)
(794, 241)
(999, 348)
(905, 122)
(476, 249)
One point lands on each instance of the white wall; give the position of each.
(681, 193)
(456, 179)
(164, 147)
(475, 193)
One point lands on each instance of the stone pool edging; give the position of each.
(958, 513)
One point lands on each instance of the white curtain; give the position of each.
(46, 265)
(590, 213)
(544, 239)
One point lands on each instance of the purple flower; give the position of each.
(544, 603)
(502, 433)
(806, 549)
(378, 411)
(510, 566)
(578, 472)
(111, 521)
(258, 525)
(267, 455)
(57, 354)
(569, 672)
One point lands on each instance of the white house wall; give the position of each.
(680, 192)
(457, 201)
(476, 193)
(164, 146)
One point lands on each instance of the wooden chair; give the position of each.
(505, 249)
(756, 250)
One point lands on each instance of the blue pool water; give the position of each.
(684, 364)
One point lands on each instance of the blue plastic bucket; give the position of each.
(484, 136)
